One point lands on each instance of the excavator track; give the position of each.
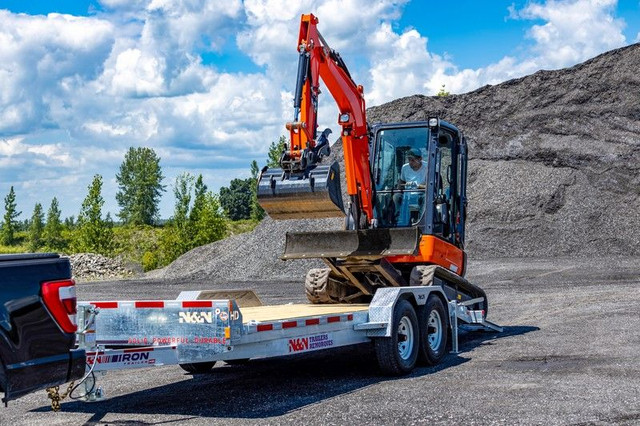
(323, 288)
(454, 286)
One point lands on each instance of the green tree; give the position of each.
(442, 93)
(257, 212)
(36, 228)
(191, 225)
(199, 200)
(182, 191)
(9, 224)
(275, 152)
(236, 200)
(94, 234)
(176, 236)
(140, 187)
(52, 234)
(210, 225)
(69, 222)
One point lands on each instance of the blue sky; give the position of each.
(208, 84)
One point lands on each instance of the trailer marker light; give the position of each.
(149, 304)
(197, 304)
(289, 324)
(227, 332)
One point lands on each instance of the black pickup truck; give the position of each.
(37, 324)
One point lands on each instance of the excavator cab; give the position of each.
(435, 197)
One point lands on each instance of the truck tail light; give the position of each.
(60, 298)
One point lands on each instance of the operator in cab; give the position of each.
(414, 172)
(413, 176)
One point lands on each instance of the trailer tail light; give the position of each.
(60, 298)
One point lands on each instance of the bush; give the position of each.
(149, 261)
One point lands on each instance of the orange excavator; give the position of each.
(406, 191)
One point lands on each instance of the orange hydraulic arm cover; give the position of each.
(326, 64)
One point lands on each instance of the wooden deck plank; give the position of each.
(281, 312)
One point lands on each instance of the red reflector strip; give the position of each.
(198, 304)
(105, 305)
(333, 319)
(150, 304)
(313, 321)
(138, 350)
(350, 317)
(289, 324)
(265, 327)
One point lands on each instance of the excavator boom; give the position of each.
(302, 187)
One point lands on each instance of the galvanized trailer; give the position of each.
(196, 330)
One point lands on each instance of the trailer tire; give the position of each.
(432, 318)
(198, 367)
(397, 354)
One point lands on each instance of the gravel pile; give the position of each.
(554, 171)
(91, 266)
(555, 158)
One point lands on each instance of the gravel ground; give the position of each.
(568, 356)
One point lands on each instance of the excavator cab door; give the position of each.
(400, 169)
(449, 182)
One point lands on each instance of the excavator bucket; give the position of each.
(317, 196)
(366, 243)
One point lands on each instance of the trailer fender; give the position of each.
(384, 302)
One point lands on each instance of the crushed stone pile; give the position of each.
(555, 158)
(554, 171)
(91, 266)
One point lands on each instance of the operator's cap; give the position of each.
(414, 152)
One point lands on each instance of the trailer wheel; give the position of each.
(198, 367)
(398, 353)
(432, 318)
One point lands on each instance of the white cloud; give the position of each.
(57, 154)
(402, 65)
(36, 54)
(138, 74)
(637, 40)
(574, 30)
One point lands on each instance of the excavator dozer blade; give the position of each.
(318, 196)
(367, 243)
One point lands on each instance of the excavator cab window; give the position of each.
(444, 185)
(400, 175)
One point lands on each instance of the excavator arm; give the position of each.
(303, 187)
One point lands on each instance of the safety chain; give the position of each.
(55, 397)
